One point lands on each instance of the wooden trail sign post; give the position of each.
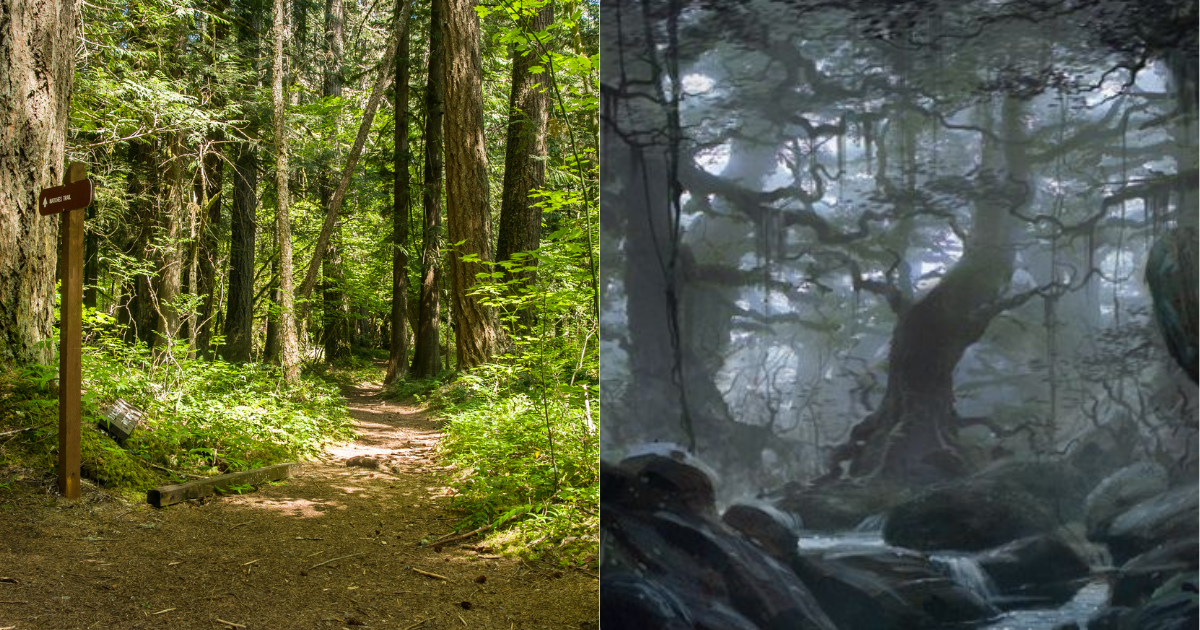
(74, 194)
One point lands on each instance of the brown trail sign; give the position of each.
(74, 194)
(66, 197)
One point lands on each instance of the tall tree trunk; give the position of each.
(271, 343)
(238, 327)
(207, 252)
(636, 179)
(398, 329)
(336, 329)
(138, 316)
(209, 195)
(37, 69)
(170, 244)
(524, 158)
(336, 312)
(426, 354)
(912, 436)
(468, 212)
(289, 350)
(170, 251)
(239, 318)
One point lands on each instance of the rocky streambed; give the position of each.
(1022, 546)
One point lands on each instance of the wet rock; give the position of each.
(1107, 619)
(772, 529)
(1119, 492)
(1173, 607)
(1034, 572)
(640, 604)
(837, 506)
(878, 587)
(1058, 488)
(1169, 517)
(671, 479)
(966, 516)
(659, 525)
(1137, 580)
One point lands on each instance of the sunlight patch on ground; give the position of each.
(302, 508)
(346, 451)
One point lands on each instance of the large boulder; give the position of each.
(837, 506)
(1034, 572)
(637, 603)
(1137, 580)
(774, 530)
(1057, 486)
(1174, 606)
(1120, 491)
(659, 530)
(670, 478)
(1165, 519)
(967, 515)
(877, 587)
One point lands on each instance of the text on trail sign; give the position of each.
(67, 197)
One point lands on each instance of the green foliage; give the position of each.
(503, 466)
(199, 417)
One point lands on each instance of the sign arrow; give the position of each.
(65, 198)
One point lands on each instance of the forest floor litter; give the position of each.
(338, 546)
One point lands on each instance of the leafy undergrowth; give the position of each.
(199, 417)
(527, 468)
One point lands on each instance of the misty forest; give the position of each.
(899, 314)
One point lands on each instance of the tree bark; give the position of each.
(170, 252)
(37, 70)
(238, 327)
(336, 312)
(271, 343)
(207, 254)
(398, 328)
(426, 354)
(239, 318)
(468, 211)
(335, 335)
(209, 195)
(137, 316)
(524, 160)
(289, 349)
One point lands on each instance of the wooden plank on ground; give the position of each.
(166, 495)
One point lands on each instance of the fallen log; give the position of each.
(167, 495)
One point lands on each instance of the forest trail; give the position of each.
(336, 546)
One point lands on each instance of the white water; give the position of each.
(1087, 602)
(872, 524)
(965, 571)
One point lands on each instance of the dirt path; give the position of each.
(335, 547)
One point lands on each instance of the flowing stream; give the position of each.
(964, 570)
